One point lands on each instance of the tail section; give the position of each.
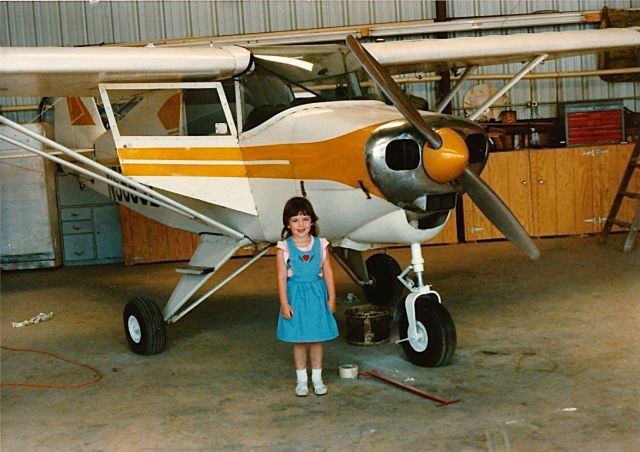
(77, 122)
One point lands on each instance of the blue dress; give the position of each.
(312, 320)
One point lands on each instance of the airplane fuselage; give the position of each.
(323, 151)
(307, 124)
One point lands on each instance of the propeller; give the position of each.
(446, 156)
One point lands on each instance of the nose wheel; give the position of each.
(427, 332)
(435, 339)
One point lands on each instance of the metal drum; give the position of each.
(368, 325)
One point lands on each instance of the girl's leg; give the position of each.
(300, 356)
(300, 360)
(316, 355)
(316, 368)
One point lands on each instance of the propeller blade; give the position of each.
(393, 91)
(446, 155)
(497, 212)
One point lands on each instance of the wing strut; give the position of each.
(189, 283)
(113, 178)
(446, 99)
(507, 86)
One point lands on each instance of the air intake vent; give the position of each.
(402, 155)
(438, 203)
(477, 145)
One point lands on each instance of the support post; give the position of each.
(444, 84)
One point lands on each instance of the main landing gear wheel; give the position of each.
(144, 326)
(384, 271)
(436, 340)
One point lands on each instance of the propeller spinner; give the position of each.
(446, 157)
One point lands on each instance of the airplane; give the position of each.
(214, 140)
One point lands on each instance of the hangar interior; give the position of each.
(547, 350)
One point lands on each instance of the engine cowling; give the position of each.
(395, 157)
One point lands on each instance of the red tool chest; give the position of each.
(594, 123)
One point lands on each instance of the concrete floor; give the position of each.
(548, 359)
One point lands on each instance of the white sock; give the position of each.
(301, 375)
(316, 375)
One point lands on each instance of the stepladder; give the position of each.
(631, 170)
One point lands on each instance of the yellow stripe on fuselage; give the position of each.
(340, 159)
(180, 153)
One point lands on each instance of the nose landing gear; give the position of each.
(427, 332)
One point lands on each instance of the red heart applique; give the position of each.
(306, 257)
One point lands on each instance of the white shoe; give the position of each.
(319, 388)
(302, 390)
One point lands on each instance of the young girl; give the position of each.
(307, 292)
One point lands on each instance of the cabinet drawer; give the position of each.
(77, 227)
(75, 213)
(78, 247)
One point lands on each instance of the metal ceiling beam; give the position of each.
(381, 31)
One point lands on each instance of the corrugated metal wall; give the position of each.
(80, 23)
(94, 22)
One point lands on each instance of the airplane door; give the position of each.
(182, 138)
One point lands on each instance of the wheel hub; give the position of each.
(134, 329)
(421, 341)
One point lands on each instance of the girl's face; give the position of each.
(300, 225)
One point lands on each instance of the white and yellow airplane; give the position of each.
(214, 140)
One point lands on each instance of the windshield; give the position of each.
(288, 76)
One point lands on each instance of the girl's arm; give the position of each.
(327, 272)
(285, 308)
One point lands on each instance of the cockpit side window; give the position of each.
(265, 95)
(175, 111)
(203, 111)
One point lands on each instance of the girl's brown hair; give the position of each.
(298, 206)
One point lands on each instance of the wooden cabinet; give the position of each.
(566, 191)
(508, 174)
(562, 191)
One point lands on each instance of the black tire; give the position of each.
(386, 288)
(433, 318)
(144, 326)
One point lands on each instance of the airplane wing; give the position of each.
(428, 55)
(76, 71)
